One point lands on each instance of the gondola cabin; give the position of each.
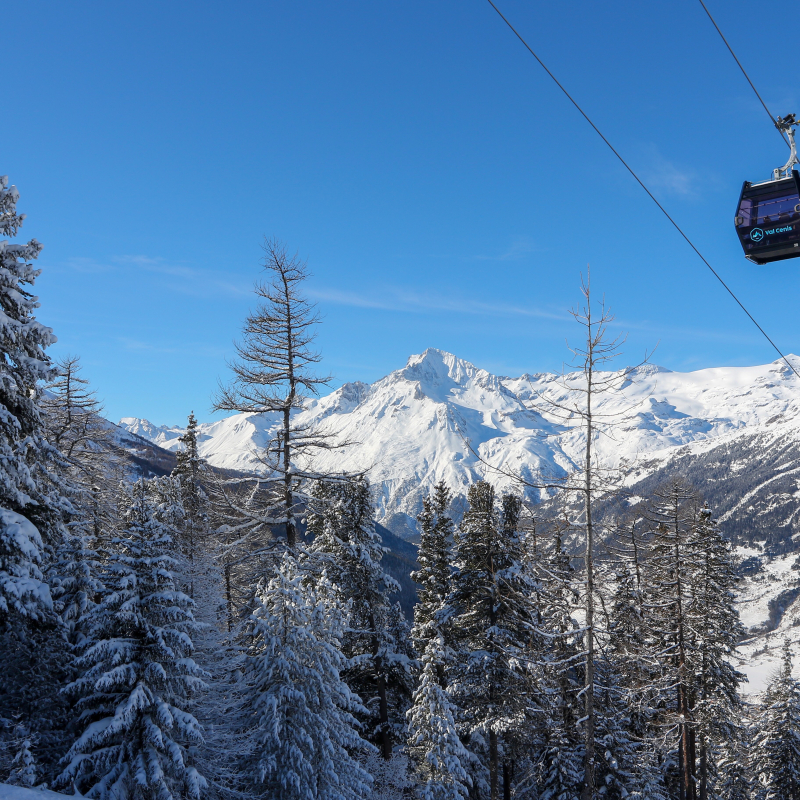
(768, 219)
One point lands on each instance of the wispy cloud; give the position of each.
(185, 349)
(89, 266)
(663, 174)
(405, 301)
(340, 298)
(663, 330)
(519, 248)
(182, 278)
(137, 345)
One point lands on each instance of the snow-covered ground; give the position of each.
(21, 793)
(760, 655)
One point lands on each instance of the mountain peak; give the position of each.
(435, 367)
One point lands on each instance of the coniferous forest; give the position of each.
(233, 636)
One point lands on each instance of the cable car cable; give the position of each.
(752, 86)
(639, 181)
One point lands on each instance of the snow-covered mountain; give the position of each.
(734, 432)
(422, 423)
(162, 435)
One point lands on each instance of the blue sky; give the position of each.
(443, 191)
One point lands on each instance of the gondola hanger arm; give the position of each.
(786, 126)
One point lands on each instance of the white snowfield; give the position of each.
(412, 428)
(22, 793)
(759, 657)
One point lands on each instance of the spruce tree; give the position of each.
(34, 654)
(715, 632)
(777, 748)
(138, 675)
(672, 567)
(433, 738)
(190, 471)
(304, 738)
(28, 522)
(633, 663)
(440, 757)
(377, 642)
(737, 781)
(559, 751)
(433, 557)
(493, 623)
(23, 766)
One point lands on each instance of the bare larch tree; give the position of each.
(274, 373)
(582, 406)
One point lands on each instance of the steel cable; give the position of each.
(649, 193)
(752, 85)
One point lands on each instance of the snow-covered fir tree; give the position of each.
(715, 632)
(377, 641)
(736, 781)
(629, 703)
(305, 739)
(190, 471)
(557, 767)
(28, 521)
(493, 626)
(777, 747)
(627, 629)
(434, 557)
(690, 628)
(24, 771)
(77, 584)
(621, 766)
(672, 565)
(138, 676)
(34, 653)
(433, 737)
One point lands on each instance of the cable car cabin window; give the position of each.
(768, 219)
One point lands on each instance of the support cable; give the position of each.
(752, 85)
(649, 193)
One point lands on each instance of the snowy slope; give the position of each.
(22, 793)
(769, 606)
(408, 428)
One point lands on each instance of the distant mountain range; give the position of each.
(734, 430)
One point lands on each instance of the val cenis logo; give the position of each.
(756, 234)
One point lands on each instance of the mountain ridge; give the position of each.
(440, 417)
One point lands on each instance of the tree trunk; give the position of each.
(492, 765)
(228, 599)
(687, 746)
(506, 780)
(288, 500)
(687, 784)
(704, 771)
(588, 771)
(383, 699)
(386, 735)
